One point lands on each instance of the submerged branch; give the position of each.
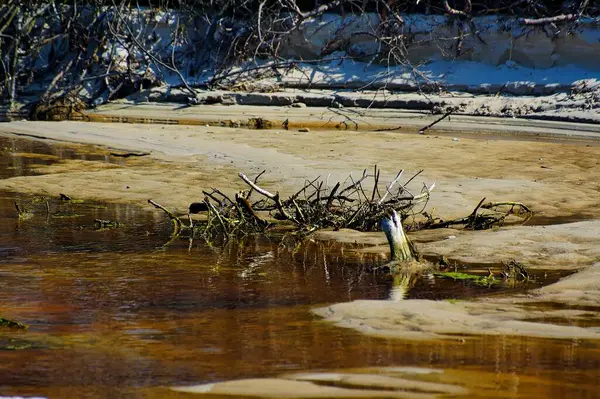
(177, 224)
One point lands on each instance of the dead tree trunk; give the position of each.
(400, 246)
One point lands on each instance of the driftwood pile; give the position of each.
(356, 203)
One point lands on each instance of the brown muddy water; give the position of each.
(115, 313)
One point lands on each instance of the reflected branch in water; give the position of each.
(402, 284)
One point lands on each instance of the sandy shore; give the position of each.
(557, 179)
(363, 118)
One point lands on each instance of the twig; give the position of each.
(389, 187)
(331, 196)
(453, 11)
(473, 216)
(423, 129)
(217, 191)
(211, 196)
(255, 181)
(274, 197)
(355, 183)
(388, 129)
(376, 175)
(246, 206)
(491, 205)
(303, 189)
(550, 20)
(176, 221)
(212, 209)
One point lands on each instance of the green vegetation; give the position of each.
(512, 272)
(16, 347)
(12, 324)
(484, 281)
(22, 213)
(100, 224)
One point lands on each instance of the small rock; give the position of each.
(304, 130)
(299, 105)
(450, 237)
(455, 139)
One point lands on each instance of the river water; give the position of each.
(117, 313)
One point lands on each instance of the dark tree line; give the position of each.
(85, 53)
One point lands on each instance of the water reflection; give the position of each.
(402, 283)
(18, 157)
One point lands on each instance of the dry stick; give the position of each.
(214, 210)
(58, 77)
(491, 205)
(469, 220)
(245, 205)
(176, 221)
(317, 188)
(412, 178)
(361, 190)
(320, 10)
(550, 20)
(318, 193)
(355, 183)
(473, 214)
(452, 11)
(388, 129)
(447, 114)
(425, 194)
(299, 211)
(303, 189)
(211, 196)
(358, 210)
(376, 177)
(255, 181)
(217, 191)
(528, 211)
(582, 7)
(389, 187)
(331, 196)
(397, 17)
(274, 197)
